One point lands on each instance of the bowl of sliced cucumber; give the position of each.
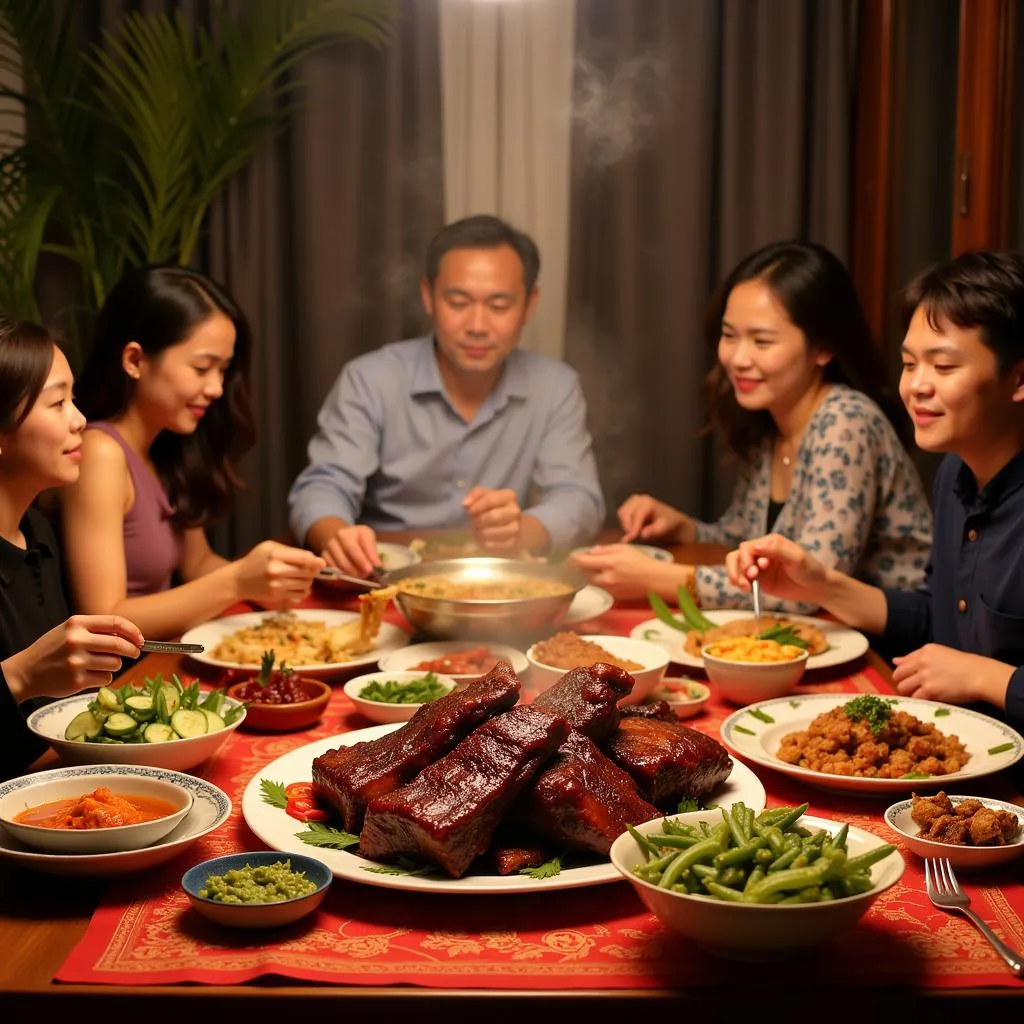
(164, 724)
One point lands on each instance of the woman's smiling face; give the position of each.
(45, 448)
(769, 362)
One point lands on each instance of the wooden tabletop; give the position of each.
(42, 918)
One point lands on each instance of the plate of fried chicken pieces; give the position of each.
(478, 793)
(973, 832)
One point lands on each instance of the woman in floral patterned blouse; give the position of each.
(798, 394)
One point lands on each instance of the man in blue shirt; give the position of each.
(963, 385)
(459, 428)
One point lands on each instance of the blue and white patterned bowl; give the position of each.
(112, 839)
(211, 807)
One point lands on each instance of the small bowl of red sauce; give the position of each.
(281, 700)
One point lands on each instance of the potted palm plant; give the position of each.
(128, 142)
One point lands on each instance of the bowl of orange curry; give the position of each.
(94, 812)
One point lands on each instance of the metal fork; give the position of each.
(755, 589)
(945, 892)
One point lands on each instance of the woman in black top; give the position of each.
(43, 653)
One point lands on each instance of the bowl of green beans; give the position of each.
(756, 886)
(396, 696)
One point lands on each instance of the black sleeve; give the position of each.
(18, 746)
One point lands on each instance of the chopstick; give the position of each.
(328, 572)
(166, 647)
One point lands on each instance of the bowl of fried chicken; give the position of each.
(972, 832)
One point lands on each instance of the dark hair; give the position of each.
(159, 307)
(26, 355)
(818, 295)
(483, 231)
(977, 289)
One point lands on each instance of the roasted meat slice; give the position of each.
(587, 698)
(348, 778)
(668, 761)
(449, 812)
(581, 801)
(510, 860)
(654, 709)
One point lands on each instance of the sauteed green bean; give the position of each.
(767, 858)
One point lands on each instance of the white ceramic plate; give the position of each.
(658, 554)
(210, 809)
(845, 644)
(588, 603)
(746, 733)
(396, 556)
(898, 818)
(209, 634)
(406, 658)
(278, 831)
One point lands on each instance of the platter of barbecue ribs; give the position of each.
(476, 787)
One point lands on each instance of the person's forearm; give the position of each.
(686, 533)
(171, 612)
(857, 604)
(210, 562)
(322, 531)
(993, 680)
(666, 578)
(533, 534)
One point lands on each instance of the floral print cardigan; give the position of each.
(856, 503)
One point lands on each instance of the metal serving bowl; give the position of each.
(519, 619)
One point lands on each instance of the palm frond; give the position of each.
(130, 143)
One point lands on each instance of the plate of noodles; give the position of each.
(314, 641)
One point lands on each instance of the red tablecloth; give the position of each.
(145, 933)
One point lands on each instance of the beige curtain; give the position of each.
(507, 72)
(703, 129)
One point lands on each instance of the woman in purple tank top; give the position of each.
(166, 392)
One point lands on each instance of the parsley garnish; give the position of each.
(794, 703)
(1001, 748)
(320, 834)
(916, 775)
(273, 793)
(689, 803)
(650, 634)
(941, 712)
(403, 867)
(548, 869)
(740, 728)
(761, 716)
(870, 709)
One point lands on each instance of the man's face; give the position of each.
(479, 306)
(952, 388)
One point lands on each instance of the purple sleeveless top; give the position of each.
(152, 545)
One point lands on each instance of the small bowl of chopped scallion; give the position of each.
(396, 696)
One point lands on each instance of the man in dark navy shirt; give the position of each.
(963, 385)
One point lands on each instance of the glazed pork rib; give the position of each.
(581, 801)
(668, 761)
(348, 778)
(587, 698)
(449, 812)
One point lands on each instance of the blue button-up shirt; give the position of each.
(973, 597)
(392, 452)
